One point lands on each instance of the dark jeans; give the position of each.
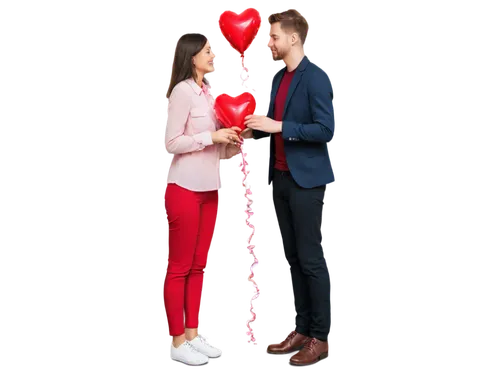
(299, 212)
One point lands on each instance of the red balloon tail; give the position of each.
(244, 75)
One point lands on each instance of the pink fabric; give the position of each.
(191, 120)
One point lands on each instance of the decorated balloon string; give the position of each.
(251, 248)
(244, 75)
(240, 29)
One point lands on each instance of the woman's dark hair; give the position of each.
(183, 68)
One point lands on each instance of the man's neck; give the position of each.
(293, 59)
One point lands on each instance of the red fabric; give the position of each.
(279, 107)
(191, 220)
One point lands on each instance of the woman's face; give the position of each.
(204, 60)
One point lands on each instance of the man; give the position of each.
(300, 122)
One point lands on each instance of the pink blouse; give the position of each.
(191, 120)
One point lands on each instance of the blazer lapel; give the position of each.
(295, 81)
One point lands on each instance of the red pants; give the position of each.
(191, 221)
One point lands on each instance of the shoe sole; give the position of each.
(322, 357)
(190, 364)
(185, 364)
(290, 351)
(281, 355)
(277, 355)
(216, 358)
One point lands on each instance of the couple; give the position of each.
(300, 122)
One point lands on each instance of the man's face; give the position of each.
(280, 42)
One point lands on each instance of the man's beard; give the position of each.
(277, 56)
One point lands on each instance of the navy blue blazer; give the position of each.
(308, 125)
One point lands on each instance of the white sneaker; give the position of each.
(200, 343)
(186, 353)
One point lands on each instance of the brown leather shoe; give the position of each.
(314, 350)
(295, 341)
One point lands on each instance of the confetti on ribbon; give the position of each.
(240, 30)
(249, 215)
(243, 77)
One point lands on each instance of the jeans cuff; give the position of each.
(302, 331)
(319, 336)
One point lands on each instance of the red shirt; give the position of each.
(279, 107)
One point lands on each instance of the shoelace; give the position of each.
(190, 346)
(310, 344)
(204, 341)
(291, 336)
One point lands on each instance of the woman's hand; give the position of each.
(228, 136)
(233, 150)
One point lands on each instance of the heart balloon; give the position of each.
(240, 29)
(232, 111)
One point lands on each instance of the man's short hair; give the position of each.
(291, 20)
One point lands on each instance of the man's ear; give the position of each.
(295, 38)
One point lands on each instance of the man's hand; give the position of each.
(263, 123)
(247, 133)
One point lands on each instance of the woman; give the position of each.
(194, 136)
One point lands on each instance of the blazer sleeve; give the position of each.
(178, 112)
(320, 101)
(261, 138)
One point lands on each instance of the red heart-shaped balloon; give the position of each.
(240, 29)
(232, 111)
